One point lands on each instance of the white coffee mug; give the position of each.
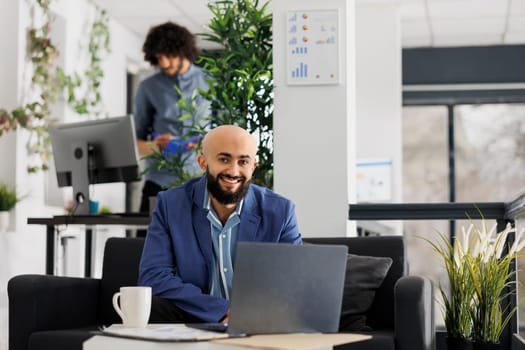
(135, 306)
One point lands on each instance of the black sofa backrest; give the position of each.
(381, 314)
(119, 268)
(122, 257)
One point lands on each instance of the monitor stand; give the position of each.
(80, 178)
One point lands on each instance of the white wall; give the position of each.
(321, 131)
(16, 251)
(9, 74)
(314, 129)
(8, 100)
(379, 88)
(22, 250)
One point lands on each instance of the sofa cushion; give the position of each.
(364, 274)
(381, 313)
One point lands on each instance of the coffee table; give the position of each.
(100, 342)
(280, 341)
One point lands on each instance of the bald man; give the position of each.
(187, 256)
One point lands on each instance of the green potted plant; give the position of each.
(489, 263)
(478, 266)
(241, 85)
(8, 200)
(458, 297)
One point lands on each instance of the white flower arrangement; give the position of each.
(478, 265)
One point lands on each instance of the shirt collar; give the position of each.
(187, 74)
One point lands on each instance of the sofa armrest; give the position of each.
(414, 313)
(44, 302)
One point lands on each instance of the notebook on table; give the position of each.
(285, 288)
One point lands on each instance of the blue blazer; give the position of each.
(177, 259)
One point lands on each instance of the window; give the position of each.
(490, 152)
(489, 166)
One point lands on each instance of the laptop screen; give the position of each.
(285, 288)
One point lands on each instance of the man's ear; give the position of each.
(202, 161)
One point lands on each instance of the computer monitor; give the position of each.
(92, 152)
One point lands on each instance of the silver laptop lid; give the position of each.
(285, 288)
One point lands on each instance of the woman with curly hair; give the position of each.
(173, 50)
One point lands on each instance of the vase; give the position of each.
(4, 221)
(458, 343)
(477, 345)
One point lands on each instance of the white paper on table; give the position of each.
(162, 332)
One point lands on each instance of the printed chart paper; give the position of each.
(312, 47)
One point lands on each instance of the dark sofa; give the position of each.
(50, 312)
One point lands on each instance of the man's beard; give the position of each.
(226, 197)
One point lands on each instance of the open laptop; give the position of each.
(285, 288)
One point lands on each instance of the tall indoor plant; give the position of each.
(241, 85)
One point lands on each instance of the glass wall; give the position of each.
(425, 180)
(489, 154)
(490, 160)
(425, 154)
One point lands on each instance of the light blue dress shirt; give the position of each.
(177, 260)
(224, 239)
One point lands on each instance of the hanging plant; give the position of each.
(49, 82)
(83, 90)
(34, 116)
(43, 55)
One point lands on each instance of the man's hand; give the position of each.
(192, 142)
(226, 318)
(162, 140)
(190, 146)
(146, 147)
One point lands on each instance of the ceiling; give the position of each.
(424, 23)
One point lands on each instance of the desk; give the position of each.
(280, 341)
(136, 221)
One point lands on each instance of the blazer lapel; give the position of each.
(201, 225)
(250, 219)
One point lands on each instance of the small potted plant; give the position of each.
(478, 265)
(8, 200)
(458, 297)
(490, 261)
